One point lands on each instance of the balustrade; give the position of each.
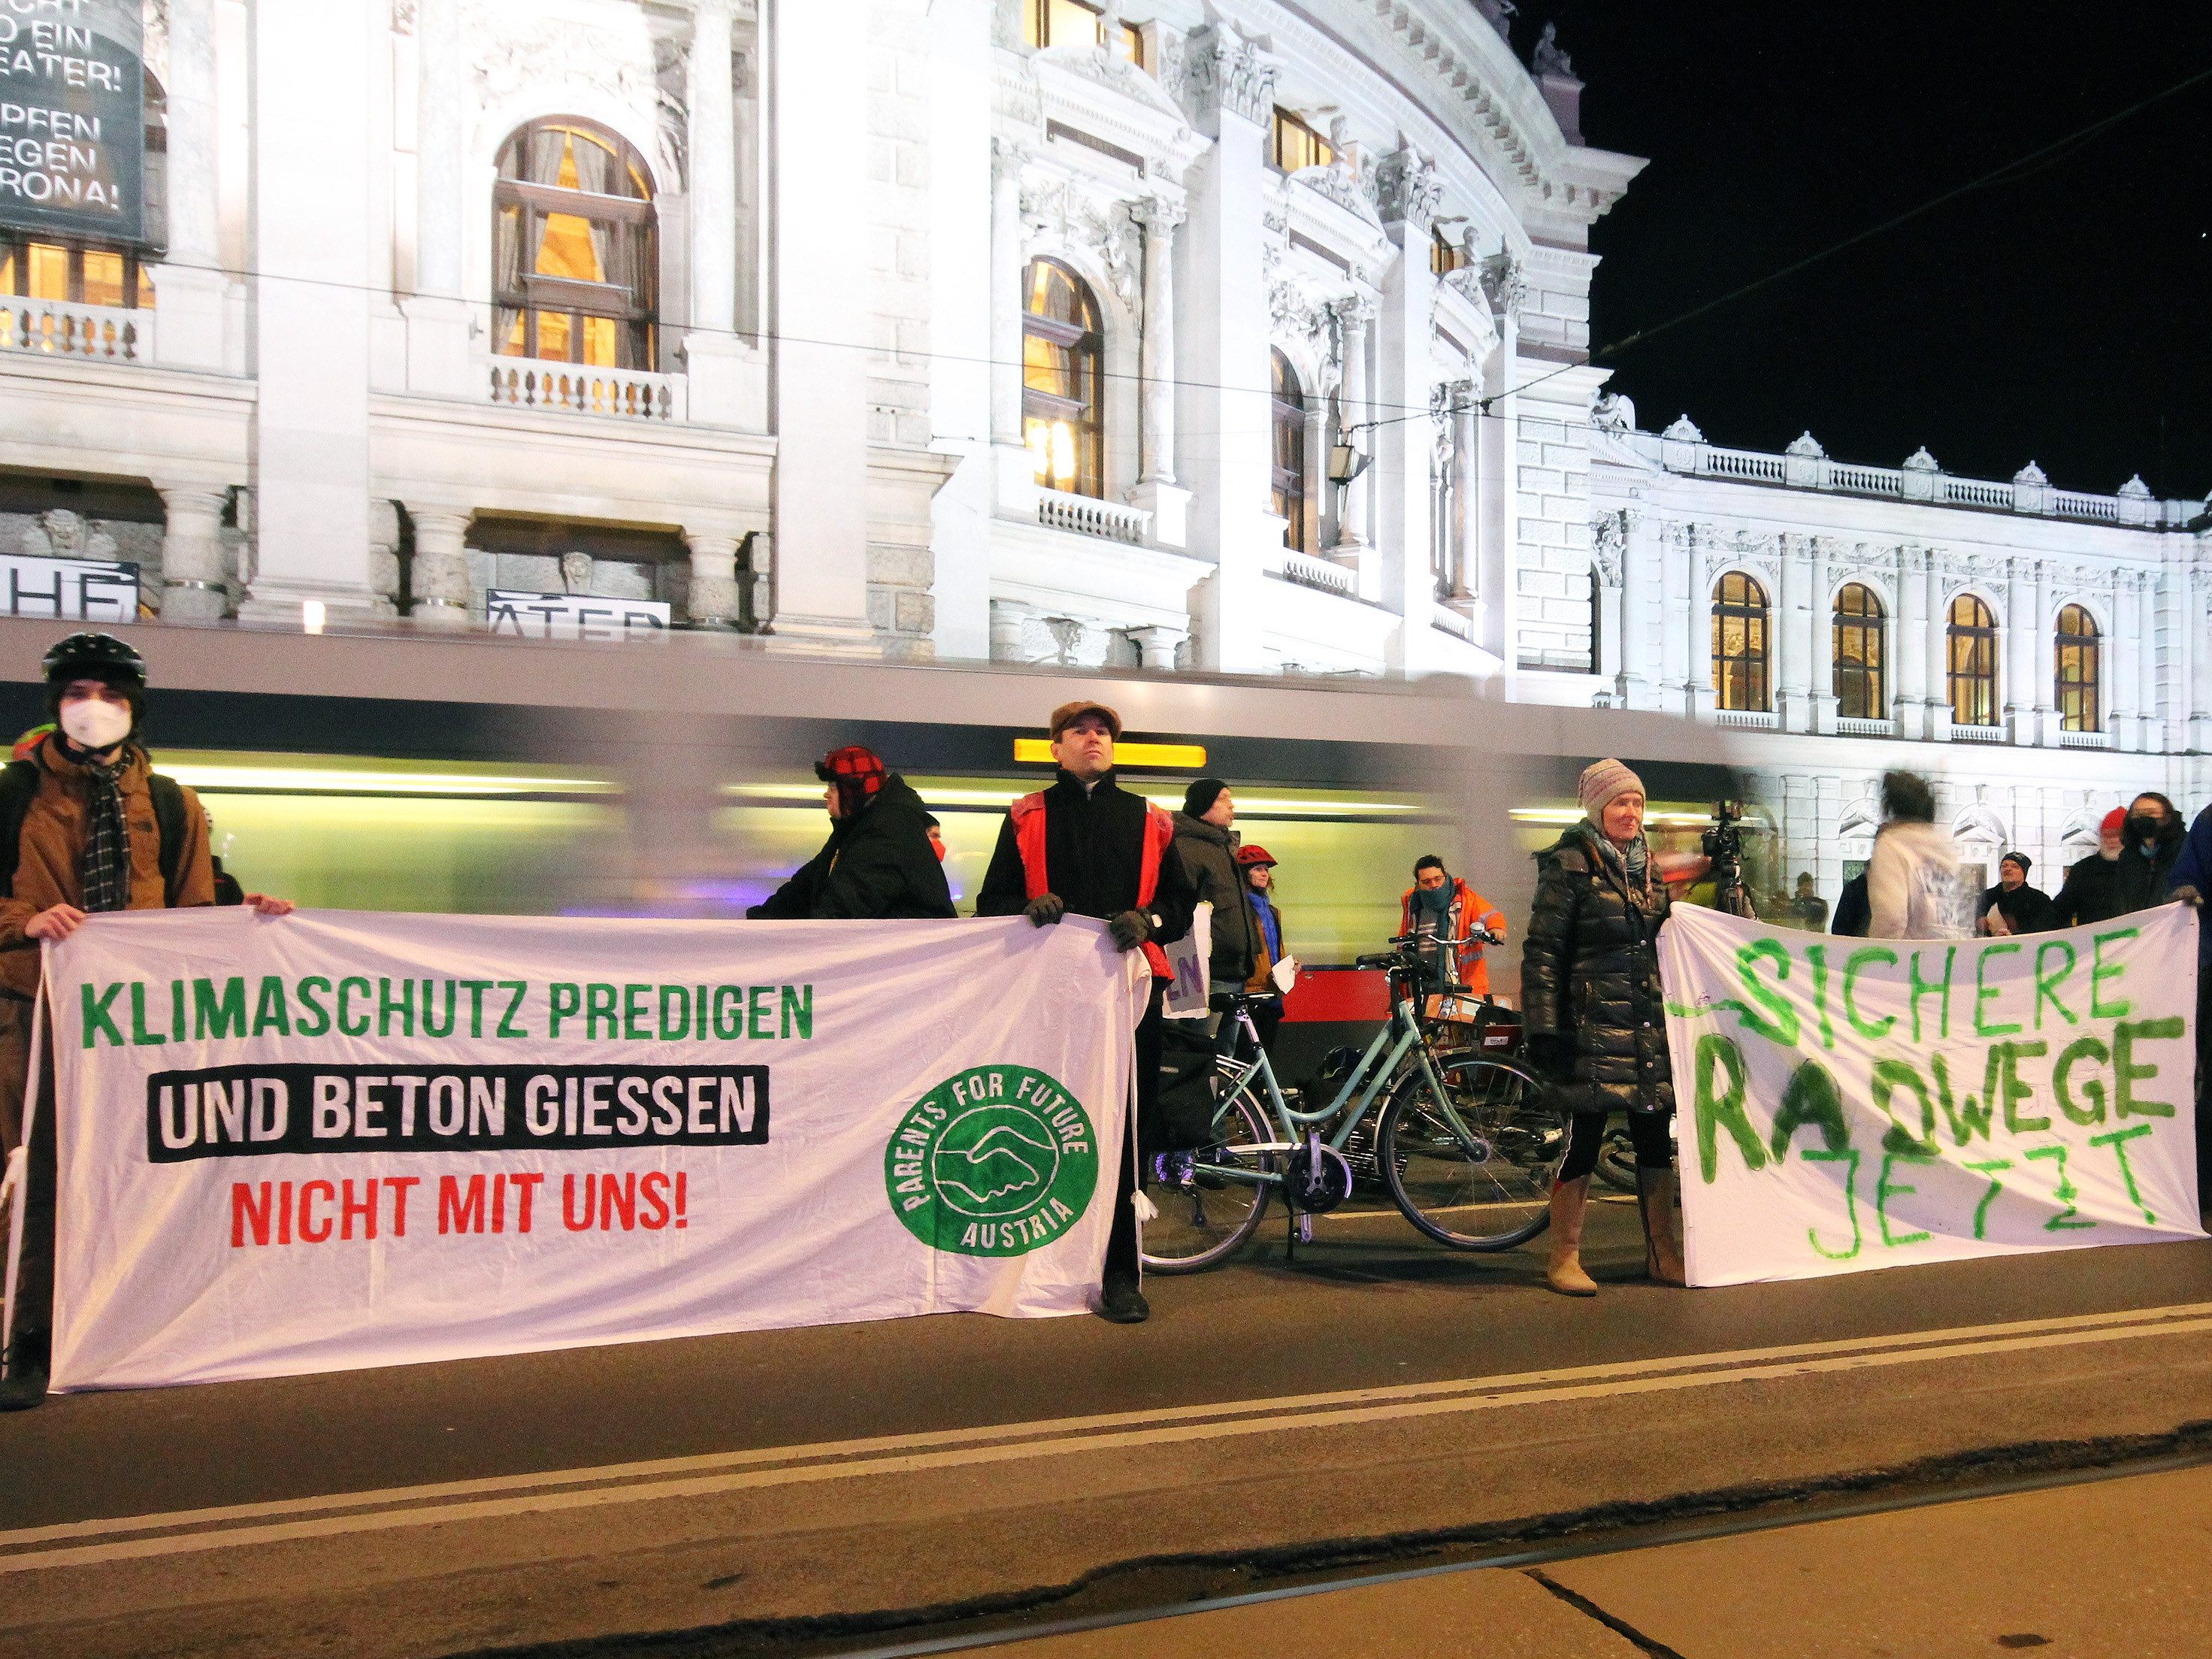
(622, 393)
(53, 327)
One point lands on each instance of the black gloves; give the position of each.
(1044, 909)
(1130, 929)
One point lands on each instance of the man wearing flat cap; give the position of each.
(1089, 847)
(878, 865)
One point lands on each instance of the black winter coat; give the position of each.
(2090, 893)
(2139, 882)
(1589, 981)
(878, 867)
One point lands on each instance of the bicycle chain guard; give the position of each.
(1317, 1178)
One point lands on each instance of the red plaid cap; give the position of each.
(852, 768)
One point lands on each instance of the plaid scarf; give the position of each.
(106, 871)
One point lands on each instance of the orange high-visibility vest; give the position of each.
(1027, 814)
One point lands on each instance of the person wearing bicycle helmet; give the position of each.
(87, 825)
(1257, 864)
(1595, 1017)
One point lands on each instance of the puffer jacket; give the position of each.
(1589, 981)
(1209, 857)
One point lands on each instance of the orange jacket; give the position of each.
(1027, 814)
(1468, 909)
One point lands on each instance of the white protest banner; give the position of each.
(1846, 1104)
(337, 1140)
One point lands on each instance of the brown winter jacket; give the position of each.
(52, 848)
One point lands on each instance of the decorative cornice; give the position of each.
(1223, 70)
(1408, 189)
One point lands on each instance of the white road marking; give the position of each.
(230, 1527)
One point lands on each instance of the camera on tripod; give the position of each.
(1723, 845)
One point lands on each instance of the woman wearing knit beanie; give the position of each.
(1595, 1017)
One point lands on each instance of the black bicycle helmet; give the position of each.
(94, 656)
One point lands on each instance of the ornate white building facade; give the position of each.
(1241, 336)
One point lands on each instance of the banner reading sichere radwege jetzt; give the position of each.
(337, 1139)
(1845, 1103)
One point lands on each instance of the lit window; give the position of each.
(71, 273)
(1061, 417)
(1861, 692)
(1074, 23)
(1289, 486)
(1974, 652)
(2079, 660)
(1296, 145)
(1444, 256)
(572, 248)
(1740, 617)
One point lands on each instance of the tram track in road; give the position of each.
(96, 1542)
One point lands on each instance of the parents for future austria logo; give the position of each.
(997, 1160)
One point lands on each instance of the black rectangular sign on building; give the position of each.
(73, 118)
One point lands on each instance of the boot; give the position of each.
(1563, 1274)
(1656, 1195)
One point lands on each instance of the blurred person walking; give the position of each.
(1595, 1017)
(2012, 906)
(2091, 891)
(1090, 848)
(1207, 844)
(86, 827)
(1915, 888)
(878, 865)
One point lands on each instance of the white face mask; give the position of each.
(96, 723)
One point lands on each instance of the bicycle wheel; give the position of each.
(1616, 1161)
(1489, 1190)
(1209, 1202)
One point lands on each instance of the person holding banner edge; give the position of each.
(1596, 1016)
(879, 864)
(86, 826)
(1089, 847)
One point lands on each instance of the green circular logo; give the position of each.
(998, 1160)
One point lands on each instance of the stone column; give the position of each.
(1675, 619)
(714, 576)
(1159, 220)
(1937, 723)
(1408, 193)
(1156, 646)
(1908, 636)
(2197, 634)
(1352, 317)
(440, 570)
(2043, 657)
(192, 589)
(1793, 671)
(189, 281)
(437, 312)
(2152, 715)
(1820, 633)
(716, 363)
(1698, 630)
(2017, 654)
(818, 263)
(1006, 301)
(1640, 569)
(1465, 517)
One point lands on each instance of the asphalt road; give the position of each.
(1379, 1388)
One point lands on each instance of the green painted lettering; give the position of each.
(2117, 1140)
(1986, 993)
(2127, 1071)
(1810, 1097)
(1883, 1192)
(1779, 1024)
(2046, 985)
(1725, 1108)
(1860, 959)
(1850, 1159)
(96, 1018)
(1939, 988)
(2082, 1047)
(2099, 971)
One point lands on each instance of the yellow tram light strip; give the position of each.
(1036, 751)
(1253, 805)
(332, 781)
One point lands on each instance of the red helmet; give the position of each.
(1255, 854)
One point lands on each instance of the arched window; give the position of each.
(1973, 663)
(573, 249)
(1289, 411)
(1062, 418)
(1740, 643)
(2079, 658)
(1861, 680)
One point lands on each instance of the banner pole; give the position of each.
(19, 1170)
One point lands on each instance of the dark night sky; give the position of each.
(2062, 317)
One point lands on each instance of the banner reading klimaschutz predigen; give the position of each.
(339, 1139)
(1845, 1103)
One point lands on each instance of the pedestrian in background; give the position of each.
(1439, 907)
(1806, 907)
(878, 865)
(2091, 891)
(1915, 888)
(1258, 865)
(87, 826)
(2012, 906)
(2153, 833)
(1090, 848)
(1595, 1016)
(1853, 911)
(1207, 843)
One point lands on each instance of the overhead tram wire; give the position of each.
(2012, 172)
(2009, 172)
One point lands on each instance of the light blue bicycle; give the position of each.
(1462, 1146)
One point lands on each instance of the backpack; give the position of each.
(19, 785)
